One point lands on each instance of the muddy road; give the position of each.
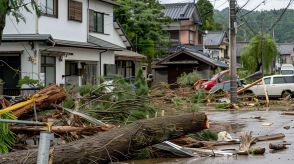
(246, 121)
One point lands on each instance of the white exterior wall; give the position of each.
(27, 27)
(62, 28)
(27, 67)
(110, 34)
(80, 54)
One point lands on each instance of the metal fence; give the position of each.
(20, 91)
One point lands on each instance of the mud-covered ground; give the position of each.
(246, 121)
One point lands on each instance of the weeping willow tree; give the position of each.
(251, 55)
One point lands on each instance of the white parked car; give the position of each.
(276, 86)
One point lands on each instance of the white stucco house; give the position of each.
(72, 42)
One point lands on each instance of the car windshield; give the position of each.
(287, 72)
(215, 77)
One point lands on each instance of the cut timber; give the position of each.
(47, 97)
(117, 143)
(265, 93)
(62, 129)
(277, 146)
(288, 113)
(269, 137)
(249, 86)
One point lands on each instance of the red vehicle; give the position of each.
(220, 77)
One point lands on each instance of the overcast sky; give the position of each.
(221, 4)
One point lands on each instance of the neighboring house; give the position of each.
(286, 54)
(184, 61)
(126, 64)
(216, 44)
(69, 44)
(184, 28)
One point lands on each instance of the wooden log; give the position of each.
(249, 86)
(288, 113)
(277, 146)
(269, 137)
(48, 96)
(117, 143)
(90, 130)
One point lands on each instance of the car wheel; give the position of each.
(286, 94)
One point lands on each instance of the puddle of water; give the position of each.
(245, 121)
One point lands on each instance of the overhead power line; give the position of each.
(240, 8)
(280, 17)
(252, 9)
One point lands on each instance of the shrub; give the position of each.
(189, 79)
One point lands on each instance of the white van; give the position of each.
(276, 86)
(287, 69)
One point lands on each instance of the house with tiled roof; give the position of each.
(72, 42)
(184, 28)
(216, 44)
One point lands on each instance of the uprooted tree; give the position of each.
(117, 143)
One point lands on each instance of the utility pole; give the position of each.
(232, 47)
(262, 43)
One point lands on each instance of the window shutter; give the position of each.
(75, 10)
(91, 20)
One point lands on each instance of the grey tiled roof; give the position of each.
(285, 48)
(103, 43)
(198, 55)
(110, 2)
(26, 37)
(181, 11)
(214, 38)
(67, 43)
(94, 43)
(177, 48)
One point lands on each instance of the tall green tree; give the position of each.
(142, 20)
(254, 56)
(205, 9)
(15, 8)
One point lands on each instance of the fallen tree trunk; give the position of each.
(269, 137)
(117, 143)
(46, 97)
(90, 130)
(288, 113)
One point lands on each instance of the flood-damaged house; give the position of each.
(186, 53)
(72, 42)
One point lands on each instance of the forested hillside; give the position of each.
(250, 24)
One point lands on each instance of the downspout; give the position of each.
(88, 19)
(100, 62)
